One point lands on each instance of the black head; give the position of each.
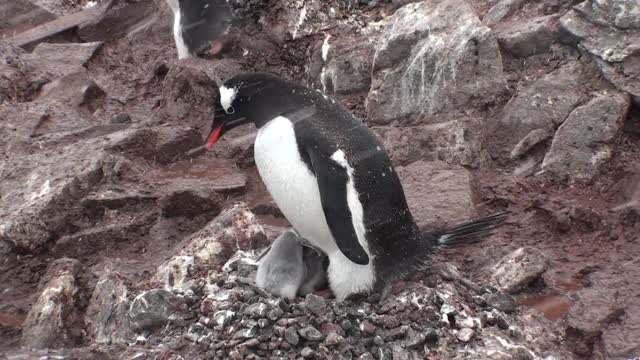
(203, 22)
(253, 97)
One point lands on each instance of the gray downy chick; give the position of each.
(315, 264)
(281, 270)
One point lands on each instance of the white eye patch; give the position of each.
(227, 95)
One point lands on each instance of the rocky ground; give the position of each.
(120, 238)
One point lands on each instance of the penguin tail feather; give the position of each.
(468, 232)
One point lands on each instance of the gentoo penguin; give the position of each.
(334, 182)
(290, 266)
(199, 25)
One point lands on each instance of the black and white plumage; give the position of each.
(334, 182)
(198, 23)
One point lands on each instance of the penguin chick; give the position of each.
(281, 270)
(315, 264)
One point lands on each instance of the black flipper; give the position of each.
(332, 182)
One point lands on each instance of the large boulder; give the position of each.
(583, 142)
(610, 32)
(433, 56)
(456, 141)
(543, 105)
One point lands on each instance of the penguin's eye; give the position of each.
(231, 110)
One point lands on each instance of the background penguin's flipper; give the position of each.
(332, 182)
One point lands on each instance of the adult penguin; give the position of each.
(200, 25)
(334, 182)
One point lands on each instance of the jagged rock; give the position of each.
(501, 302)
(417, 73)
(19, 80)
(581, 144)
(527, 143)
(545, 105)
(333, 339)
(454, 141)
(77, 89)
(40, 190)
(48, 322)
(518, 269)
(151, 310)
(618, 338)
(610, 31)
(63, 59)
(437, 192)
(119, 21)
(501, 10)
(316, 304)
(107, 316)
(291, 336)
(529, 38)
(234, 229)
(311, 334)
(588, 316)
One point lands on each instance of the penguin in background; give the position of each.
(334, 182)
(200, 26)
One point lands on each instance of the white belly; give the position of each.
(295, 191)
(292, 186)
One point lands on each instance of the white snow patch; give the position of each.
(325, 47)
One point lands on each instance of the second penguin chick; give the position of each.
(281, 270)
(315, 265)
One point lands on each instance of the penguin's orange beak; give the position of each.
(214, 136)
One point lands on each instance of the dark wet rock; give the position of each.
(529, 38)
(519, 268)
(121, 118)
(107, 315)
(316, 304)
(163, 145)
(152, 309)
(610, 32)
(234, 229)
(257, 310)
(465, 334)
(415, 73)
(544, 105)
(582, 143)
(291, 336)
(501, 10)
(190, 203)
(459, 141)
(311, 334)
(48, 322)
(550, 6)
(62, 59)
(501, 302)
(425, 183)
